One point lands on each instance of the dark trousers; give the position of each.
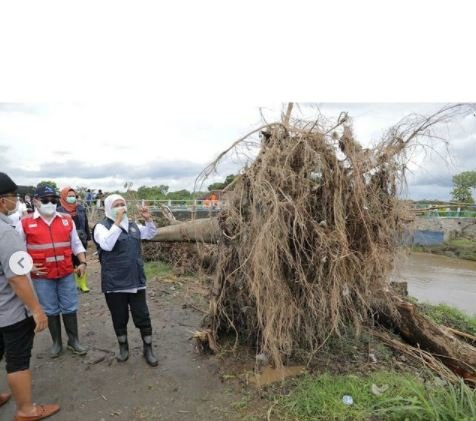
(16, 342)
(119, 304)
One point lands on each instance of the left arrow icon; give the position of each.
(20, 263)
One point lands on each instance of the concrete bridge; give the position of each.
(429, 230)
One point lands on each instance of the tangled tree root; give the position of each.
(315, 222)
(310, 233)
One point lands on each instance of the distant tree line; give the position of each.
(160, 192)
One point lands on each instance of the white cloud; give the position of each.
(102, 145)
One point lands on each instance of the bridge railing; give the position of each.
(450, 210)
(179, 204)
(173, 204)
(182, 209)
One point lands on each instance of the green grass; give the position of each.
(242, 403)
(462, 242)
(449, 316)
(407, 398)
(160, 269)
(465, 248)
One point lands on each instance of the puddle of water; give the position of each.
(272, 375)
(440, 279)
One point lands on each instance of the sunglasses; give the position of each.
(46, 200)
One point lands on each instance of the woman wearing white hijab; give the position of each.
(122, 272)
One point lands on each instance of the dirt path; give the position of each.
(185, 386)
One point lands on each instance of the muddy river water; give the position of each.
(440, 279)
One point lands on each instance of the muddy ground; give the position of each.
(185, 385)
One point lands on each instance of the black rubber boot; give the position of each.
(71, 325)
(54, 326)
(149, 355)
(123, 348)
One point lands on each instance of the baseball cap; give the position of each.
(7, 185)
(44, 191)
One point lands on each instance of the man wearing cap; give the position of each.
(51, 240)
(21, 314)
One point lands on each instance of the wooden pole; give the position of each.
(287, 116)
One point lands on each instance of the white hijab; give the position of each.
(108, 202)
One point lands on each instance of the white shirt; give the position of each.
(76, 244)
(106, 238)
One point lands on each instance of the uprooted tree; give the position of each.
(309, 236)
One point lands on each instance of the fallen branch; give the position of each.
(438, 341)
(464, 335)
(426, 358)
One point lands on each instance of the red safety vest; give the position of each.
(50, 245)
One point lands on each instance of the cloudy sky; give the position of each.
(104, 145)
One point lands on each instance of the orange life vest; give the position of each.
(50, 245)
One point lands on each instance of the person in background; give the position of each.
(100, 199)
(28, 204)
(213, 200)
(69, 205)
(27, 199)
(21, 315)
(122, 273)
(89, 198)
(51, 239)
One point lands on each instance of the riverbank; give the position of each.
(461, 248)
(382, 384)
(450, 317)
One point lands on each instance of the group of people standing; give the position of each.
(56, 236)
(90, 198)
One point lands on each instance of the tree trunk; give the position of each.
(200, 230)
(419, 331)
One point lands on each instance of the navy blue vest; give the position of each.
(122, 267)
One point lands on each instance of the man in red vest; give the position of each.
(51, 240)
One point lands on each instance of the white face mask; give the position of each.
(47, 209)
(115, 210)
(13, 211)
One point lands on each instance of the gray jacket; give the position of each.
(12, 310)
